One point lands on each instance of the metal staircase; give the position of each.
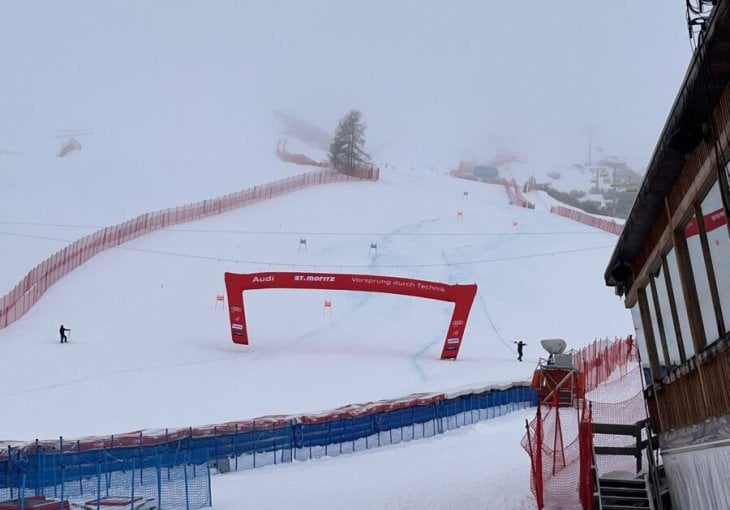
(648, 489)
(617, 494)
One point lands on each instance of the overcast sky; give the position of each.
(435, 83)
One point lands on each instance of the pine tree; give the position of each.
(346, 149)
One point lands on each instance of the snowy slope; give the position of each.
(172, 103)
(145, 327)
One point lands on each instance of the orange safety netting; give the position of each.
(559, 440)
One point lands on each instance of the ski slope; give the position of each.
(148, 347)
(172, 103)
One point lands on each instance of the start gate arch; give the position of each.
(461, 295)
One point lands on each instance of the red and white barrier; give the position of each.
(28, 291)
(581, 217)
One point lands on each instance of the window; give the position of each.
(639, 334)
(699, 271)
(689, 348)
(719, 242)
(667, 321)
(655, 327)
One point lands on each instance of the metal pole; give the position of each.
(159, 479)
(78, 458)
(187, 494)
(210, 490)
(63, 485)
(22, 493)
(38, 469)
(132, 479)
(98, 484)
(235, 446)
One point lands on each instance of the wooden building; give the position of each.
(672, 267)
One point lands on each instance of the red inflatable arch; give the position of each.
(461, 295)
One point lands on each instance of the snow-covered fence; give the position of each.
(46, 467)
(299, 159)
(68, 477)
(515, 195)
(26, 293)
(369, 173)
(560, 442)
(581, 217)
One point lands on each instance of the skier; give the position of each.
(63, 334)
(520, 344)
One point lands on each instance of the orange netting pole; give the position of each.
(538, 460)
(558, 431)
(532, 454)
(586, 454)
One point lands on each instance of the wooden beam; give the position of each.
(648, 334)
(660, 323)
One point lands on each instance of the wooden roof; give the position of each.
(687, 125)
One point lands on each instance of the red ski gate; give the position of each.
(461, 295)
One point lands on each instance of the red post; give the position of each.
(538, 460)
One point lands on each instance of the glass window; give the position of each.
(719, 241)
(666, 312)
(689, 349)
(655, 327)
(697, 261)
(639, 334)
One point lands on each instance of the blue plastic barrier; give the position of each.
(174, 471)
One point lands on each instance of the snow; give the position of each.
(453, 470)
(172, 104)
(150, 307)
(149, 349)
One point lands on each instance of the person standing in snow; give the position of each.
(520, 345)
(63, 334)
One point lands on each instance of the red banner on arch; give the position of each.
(461, 295)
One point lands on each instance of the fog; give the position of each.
(436, 82)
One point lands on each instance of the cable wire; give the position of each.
(494, 327)
(318, 233)
(295, 265)
(360, 266)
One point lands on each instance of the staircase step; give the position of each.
(623, 490)
(625, 483)
(623, 493)
(626, 501)
(622, 507)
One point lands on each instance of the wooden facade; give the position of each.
(691, 397)
(684, 319)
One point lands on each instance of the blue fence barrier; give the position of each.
(171, 470)
(149, 478)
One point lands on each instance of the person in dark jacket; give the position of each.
(520, 345)
(63, 334)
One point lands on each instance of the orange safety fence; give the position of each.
(18, 301)
(515, 195)
(581, 217)
(299, 159)
(559, 440)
